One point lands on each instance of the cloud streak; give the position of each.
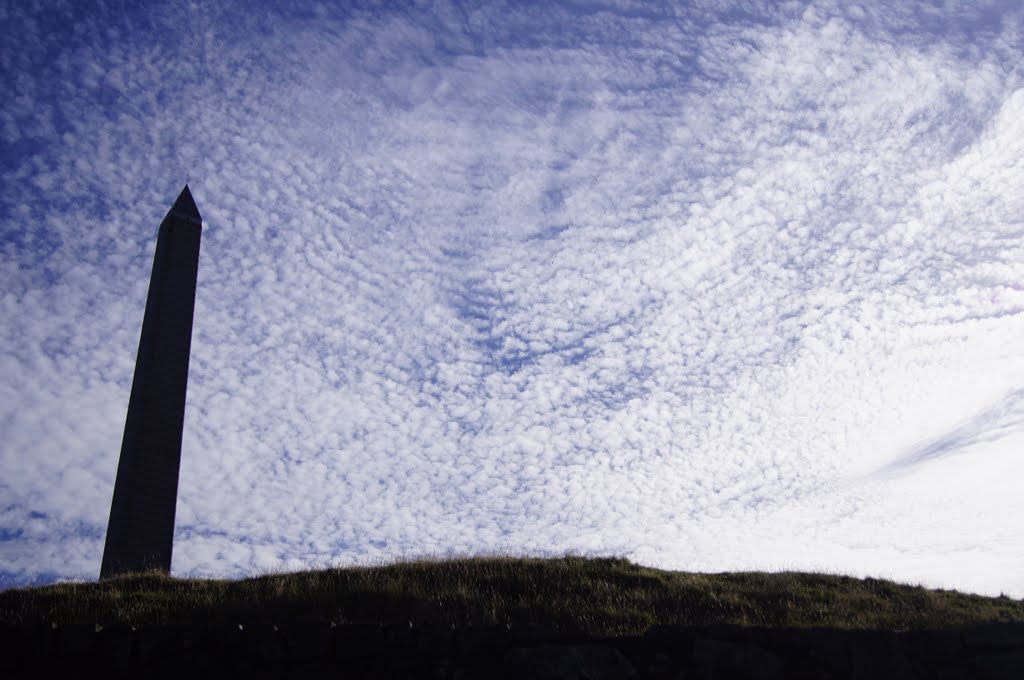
(673, 283)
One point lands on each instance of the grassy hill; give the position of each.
(597, 596)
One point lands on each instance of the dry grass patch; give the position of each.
(603, 596)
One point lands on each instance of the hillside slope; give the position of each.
(603, 596)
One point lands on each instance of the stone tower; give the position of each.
(141, 527)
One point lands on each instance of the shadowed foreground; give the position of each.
(601, 597)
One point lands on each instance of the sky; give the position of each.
(713, 286)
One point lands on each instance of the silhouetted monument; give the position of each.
(141, 528)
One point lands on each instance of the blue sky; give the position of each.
(713, 286)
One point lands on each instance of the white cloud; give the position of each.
(710, 290)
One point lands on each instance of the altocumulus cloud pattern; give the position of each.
(714, 286)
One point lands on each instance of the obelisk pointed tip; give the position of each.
(185, 207)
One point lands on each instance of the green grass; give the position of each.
(600, 596)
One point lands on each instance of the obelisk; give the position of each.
(140, 532)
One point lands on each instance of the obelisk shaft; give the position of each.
(141, 528)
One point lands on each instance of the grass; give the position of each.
(599, 596)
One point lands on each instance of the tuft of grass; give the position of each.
(597, 596)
